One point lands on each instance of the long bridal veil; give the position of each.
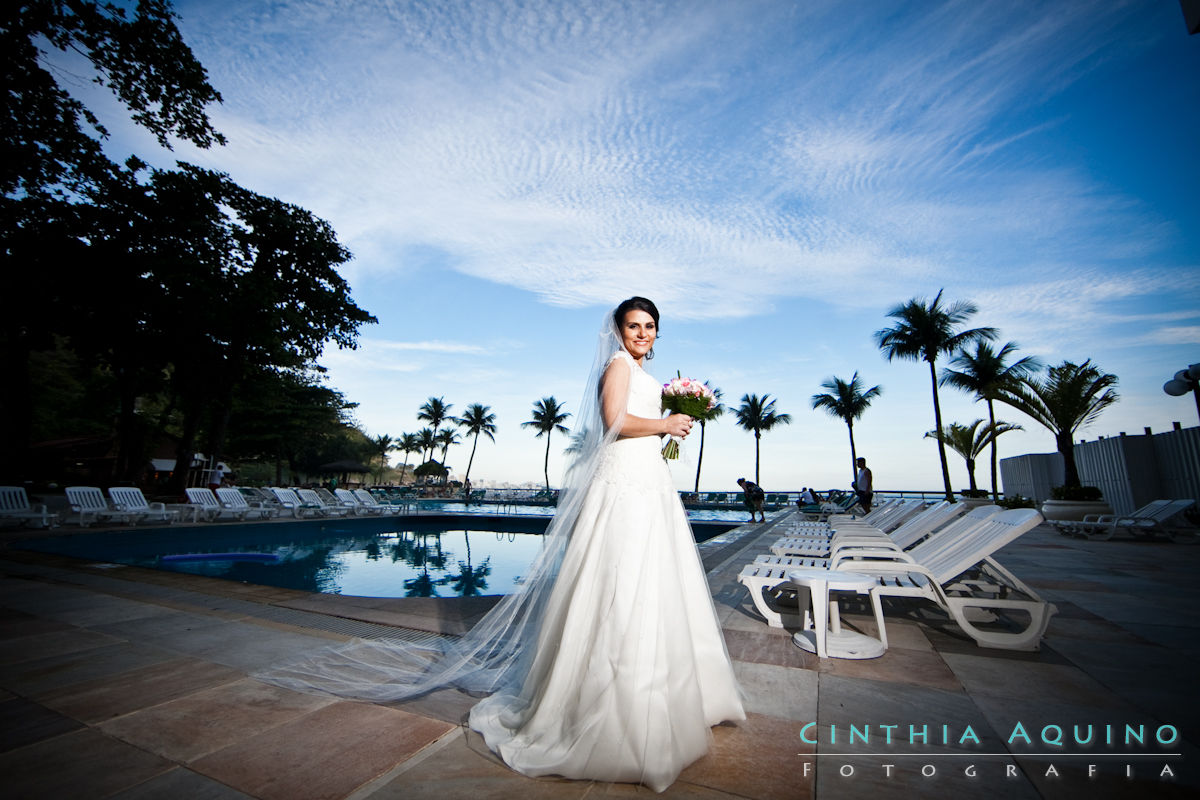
(496, 653)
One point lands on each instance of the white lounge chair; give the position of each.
(348, 499)
(325, 509)
(368, 500)
(89, 504)
(234, 500)
(209, 506)
(14, 505)
(131, 500)
(1154, 517)
(959, 574)
(292, 503)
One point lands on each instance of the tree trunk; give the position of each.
(971, 474)
(937, 418)
(757, 436)
(471, 460)
(853, 455)
(546, 466)
(995, 484)
(1066, 446)
(699, 459)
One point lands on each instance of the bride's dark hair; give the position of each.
(636, 304)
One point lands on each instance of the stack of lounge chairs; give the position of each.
(952, 566)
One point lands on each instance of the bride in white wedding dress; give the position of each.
(630, 670)
(608, 662)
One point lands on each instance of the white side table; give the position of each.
(827, 638)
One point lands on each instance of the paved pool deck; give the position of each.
(129, 683)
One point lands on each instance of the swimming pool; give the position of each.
(435, 556)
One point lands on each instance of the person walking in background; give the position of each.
(862, 485)
(752, 496)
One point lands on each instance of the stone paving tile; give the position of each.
(202, 722)
(250, 647)
(82, 764)
(777, 691)
(755, 758)
(180, 784)
(23, 722)
(897, 665)
(764, 647)
(1069, 779)
(36, 678)
(1028, 681)
(15, 624)
(463, 767)
(323, 755)
(98, 700)
(447, 705)
(925, 716)
(56, 643)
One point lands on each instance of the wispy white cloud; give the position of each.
(560, 147)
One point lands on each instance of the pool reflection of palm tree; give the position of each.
(424, 555)
(470, 581)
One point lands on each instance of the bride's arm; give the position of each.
(614, 391)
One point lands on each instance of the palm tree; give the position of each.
(445, 439)
(1069, 397)
(758, 415)
(383, 445)
(409, 443)
(477, 419)
(435, 412)
(428, 441)
(548, 417)
(717, 410)
(983, 373)
(847, 401)
(970, 440)
(922, 333)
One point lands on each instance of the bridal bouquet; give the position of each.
(687, 396)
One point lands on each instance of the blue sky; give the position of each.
(775, 175)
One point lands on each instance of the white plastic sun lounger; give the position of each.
(293, 504)
(208, 506)
(1151, 518)
(325, 509)
(88, 503)
(348, 500)
(131, 499)
(234, 500)
(14, 505)
(368, 500)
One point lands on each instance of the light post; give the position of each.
(1186, 380)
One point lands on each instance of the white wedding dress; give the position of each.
(630, 670)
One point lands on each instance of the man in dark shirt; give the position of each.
(752, 496)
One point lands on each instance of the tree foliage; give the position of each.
(848, 401)
(1068, 397)
(757, 414)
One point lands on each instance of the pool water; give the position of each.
(363, 557)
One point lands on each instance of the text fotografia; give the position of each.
(1049, 735)
(1075, 744)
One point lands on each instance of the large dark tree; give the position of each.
(52, 164)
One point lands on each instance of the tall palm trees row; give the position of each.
(1069, 396)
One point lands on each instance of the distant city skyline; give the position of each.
(776, 176)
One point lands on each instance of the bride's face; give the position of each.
(638, 332)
